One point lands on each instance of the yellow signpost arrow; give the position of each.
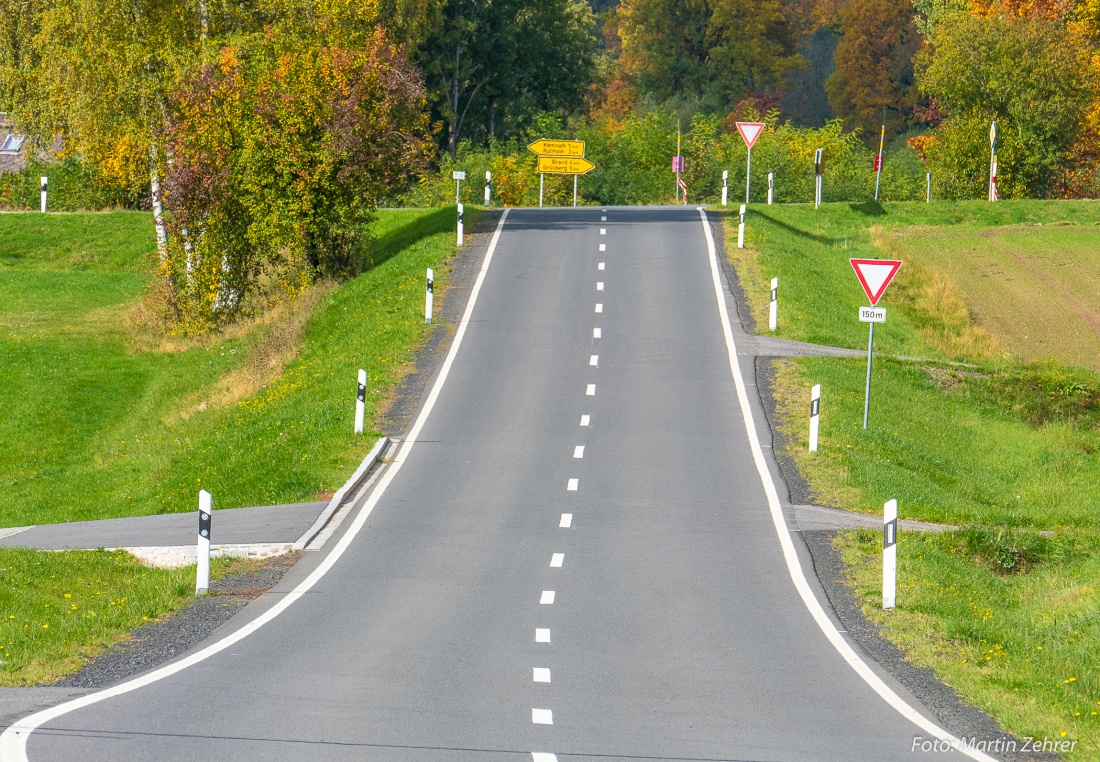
(544, 147)
(553, 165)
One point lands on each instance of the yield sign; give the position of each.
(750, 131)
(875, 275)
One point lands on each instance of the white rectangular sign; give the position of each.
(456, 175)
(872, 314)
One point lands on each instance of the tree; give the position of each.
(281, 152)
(1030, 74)
(491, 66)
(874, 65)
(708, 52)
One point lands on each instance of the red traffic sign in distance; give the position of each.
(750, 131)
(875, 275)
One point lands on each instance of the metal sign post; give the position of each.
(874, 276)
(458, 177)
(750, 131)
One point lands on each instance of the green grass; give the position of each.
(1021, 646)
(1005, 449)
(808, 250)
(952, 446)
(96, 423)
(58, 610)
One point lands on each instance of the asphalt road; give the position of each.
(674, 629)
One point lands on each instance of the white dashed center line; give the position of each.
(541, 756)
(603, 231)
(578, 451)
(585, 420)
(599, 285)
(571, 486)
(547, 597)
(594, 360)
(599, 308)
(603, 219)
(540, 674)
(542, 717)
(597, 333)
(565, 523)
(603, 247)
(601, 265)
(556, 560)
(590, 390)
(542, 634)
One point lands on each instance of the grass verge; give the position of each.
(1005, 608)
(58, 610)
(101, 422)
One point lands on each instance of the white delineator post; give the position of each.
(741, 229)
(773, 312)
(725, 186)
(44, 182)
(429, 295)
(928, 186)
(815, 415)
(488, 191)
(890, 554)
(206, 515)
(360, 401)
(771, 187)
(460, 210)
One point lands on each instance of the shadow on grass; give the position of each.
(379, 249)
(868, 208)
(797, 231)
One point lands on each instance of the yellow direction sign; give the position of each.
(545, 147)
(552, 165)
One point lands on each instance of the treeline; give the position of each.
(262, 134)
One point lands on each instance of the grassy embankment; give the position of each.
(100, 419)
(1004, 446)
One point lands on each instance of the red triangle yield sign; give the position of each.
(750, 131)
(875, 275)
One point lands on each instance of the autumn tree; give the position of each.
(874, 65)
(1029, 73)
(707, 52)
(281, 152)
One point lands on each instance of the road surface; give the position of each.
(576, 556)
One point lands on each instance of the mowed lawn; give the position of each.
(987, 417)
(99, 421)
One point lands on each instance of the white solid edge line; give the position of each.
(13, 742)
(794, 567)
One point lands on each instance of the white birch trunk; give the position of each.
(158, 208)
